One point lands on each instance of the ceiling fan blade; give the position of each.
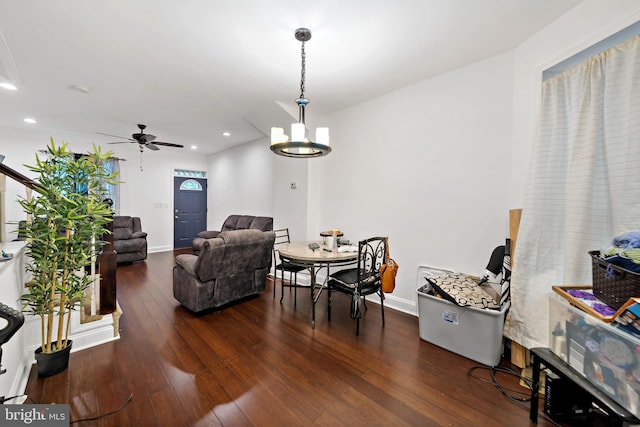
(143, 139)
(115, 136)
(167, 144)
(120, 142)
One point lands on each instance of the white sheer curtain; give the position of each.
(584, 182)
(113, 190)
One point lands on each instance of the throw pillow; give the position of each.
(462, 290)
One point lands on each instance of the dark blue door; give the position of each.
(190, 209)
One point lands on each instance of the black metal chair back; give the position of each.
(283, 238)
(370, 258)
(362, 280)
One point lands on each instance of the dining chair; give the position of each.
(283, 238)
(360, 281)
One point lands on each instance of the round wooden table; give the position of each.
(299, 253)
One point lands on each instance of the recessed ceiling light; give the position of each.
(80, 88)
(8, 86)
(225, 133)
(194, 147)
(30, 120)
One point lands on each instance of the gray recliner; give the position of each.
(229, 267)
(234, 222)
(129, 241)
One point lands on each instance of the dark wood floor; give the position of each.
(259, 363)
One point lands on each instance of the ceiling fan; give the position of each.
(143, 140)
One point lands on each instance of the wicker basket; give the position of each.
(612, 284)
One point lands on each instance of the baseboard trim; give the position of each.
(390, 301)
(155, 249)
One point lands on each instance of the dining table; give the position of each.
(315, 256)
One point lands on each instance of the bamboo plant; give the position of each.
(65, 225)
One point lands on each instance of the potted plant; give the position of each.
(64, 227)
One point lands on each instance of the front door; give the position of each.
(190, 209)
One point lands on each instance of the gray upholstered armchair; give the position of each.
(234, 222)
(129, 241)
(229, 267)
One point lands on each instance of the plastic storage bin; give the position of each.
(470, 332)
(605, 355)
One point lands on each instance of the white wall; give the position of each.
(240, 182)
(290, 205)
(251, 180)
(147, 194)
(426, 165)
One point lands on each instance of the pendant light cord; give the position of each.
(302, 71)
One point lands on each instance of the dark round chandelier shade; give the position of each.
(300, 149)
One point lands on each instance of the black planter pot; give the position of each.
(52, 363)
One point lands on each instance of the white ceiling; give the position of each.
(191, 69)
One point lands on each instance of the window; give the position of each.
(113, 190)
(191, 174)
(191, 185)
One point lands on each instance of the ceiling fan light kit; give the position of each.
(299, 145)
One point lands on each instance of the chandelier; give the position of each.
(299, 145)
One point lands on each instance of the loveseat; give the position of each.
(129, 241)
(228, 267)
(234, 222)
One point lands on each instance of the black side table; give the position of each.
(543, 356)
